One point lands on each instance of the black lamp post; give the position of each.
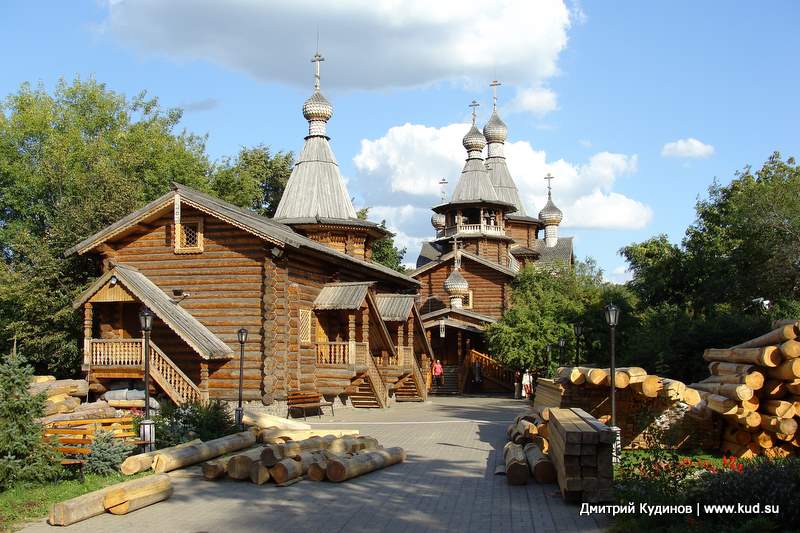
(577, 328)
(146, 427)
(562, 342)
(242, 335)
(612, 319)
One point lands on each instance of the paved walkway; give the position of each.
(446, 484)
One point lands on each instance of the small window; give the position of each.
(305, 326)
(189, 236)
(467, 302)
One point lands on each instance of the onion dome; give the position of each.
(550, 215)
(438, 221)
(495, 131)
(474, 141)
(317, 108)
(456, 285)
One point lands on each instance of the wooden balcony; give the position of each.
(342, 353)
(471, 229)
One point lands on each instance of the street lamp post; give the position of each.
(612, 319)
(562, 342)
(146, 426)
(242, 335)
(548, 349)
(577, 328)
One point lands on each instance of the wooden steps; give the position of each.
(364, 397)
(407, 390)
(451, 385)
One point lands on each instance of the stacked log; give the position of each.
(758, 380)
(288, 461)
(581, 450)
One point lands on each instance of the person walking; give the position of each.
(438, 373)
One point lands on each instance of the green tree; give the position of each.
(24, 455)
(384, 251)
(71, 163)
(254, 178)
(545, 304)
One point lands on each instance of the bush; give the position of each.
(24, 454)
(177, 424)
(107, 453)
(758, 482)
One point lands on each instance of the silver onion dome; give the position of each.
(456, 285)
(438, 221)
(495, 131)
(317, 107)
(550, 214)
(474, 141)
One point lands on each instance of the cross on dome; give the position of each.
(474, 105)
(494, 85)
(317, 59)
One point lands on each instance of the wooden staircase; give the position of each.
(171, 379)
(451, 382)
(491, 370)
(367, 389)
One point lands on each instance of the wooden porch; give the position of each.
(124, 359)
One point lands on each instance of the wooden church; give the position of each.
(483, 237)
(321, 315)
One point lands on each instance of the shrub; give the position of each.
(107, 453)
(24, 454)
(177, 424)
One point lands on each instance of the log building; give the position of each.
(483, 237)
(321, 315)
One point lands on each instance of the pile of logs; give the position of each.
(581, 448)
(526, 456)
(334, 457)
(64, 400)
(755, 387)
(127, 399)
(118, 499)
(634, 377)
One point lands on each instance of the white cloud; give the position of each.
(399, 173)
(620, 274)
(537, 100)
(689, 147)
(367, 43)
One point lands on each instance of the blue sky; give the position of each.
(593, 92)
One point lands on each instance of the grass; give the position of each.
(26, 502)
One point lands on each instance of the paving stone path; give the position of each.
(446, 484)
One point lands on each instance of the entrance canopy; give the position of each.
(126, 283)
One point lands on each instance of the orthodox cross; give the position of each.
(548, 178)
(494, 85)
(474, 105)
(317, 59)
(443, 184)
(457, 262)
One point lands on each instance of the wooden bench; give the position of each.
(75, 437)
(306, 400)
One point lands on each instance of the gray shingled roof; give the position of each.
(395, 307)
(244, 219)
(430, 251)
(315, 187)
(474, 184)
(342, 296)
(503, 183)
(561, 252)
(450, 255)
(178, 319)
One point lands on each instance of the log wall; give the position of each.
(523, 233)
(490, 288)
(225, 287)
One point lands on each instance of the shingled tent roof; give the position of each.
(178, 319)
(560, 253)
(267, 229)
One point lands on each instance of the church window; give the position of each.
(467, 302)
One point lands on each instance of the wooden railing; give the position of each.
(490, 368)
(116, 352)
(333, 353)
(376, 380)
(169, 376)
(410, 363)
(471, 229)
